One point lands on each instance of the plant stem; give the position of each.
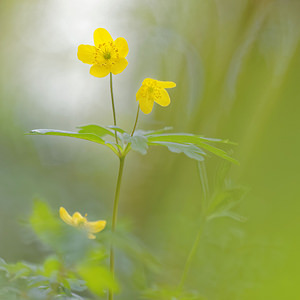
(136, 120)
(205, 189)
(113, 106)
(190, 257)
(114, 220)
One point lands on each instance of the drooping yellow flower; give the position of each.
(77, 220)
(107, 56)
(153, 91)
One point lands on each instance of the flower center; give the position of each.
(150, 89)
(107, 54)
(81, 223)
(153, 91)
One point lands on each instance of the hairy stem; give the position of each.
(114, 220)
(113, 106)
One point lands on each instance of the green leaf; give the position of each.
(98, 279)
(199, 141)
(152, 132)
(171, 293)
(189, 150)
(92, 137)
(228, 214)
(51, 265)
(116, 128)
(95, 129)
(84, 136)
(226, 199)
(218, 152)
(43, 221)
(223, 203)
(139, 143)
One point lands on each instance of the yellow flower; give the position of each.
(153, 91)
(107, 56)
(77, 220)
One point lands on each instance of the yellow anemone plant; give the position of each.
(107, 56)
(153, 91)
(77, 220)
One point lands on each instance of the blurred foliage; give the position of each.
(74, 265)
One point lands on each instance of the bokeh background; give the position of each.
(237, 69)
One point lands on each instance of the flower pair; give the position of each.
(108, 56)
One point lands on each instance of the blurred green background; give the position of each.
(237, 68)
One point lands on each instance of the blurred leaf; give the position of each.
(77, 285)
(65, 240)
(229, 214)
(225, 200)
(44, 223)
(171, 293)
(51, 264)
(98, 278)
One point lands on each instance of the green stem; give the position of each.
(113, 106)
(190, 258)
(114, 220)
(136, 120)
(204, 183)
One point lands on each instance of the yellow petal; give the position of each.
(99, 71)
(78, 219)
(122, 46)
(65, 216)
(164, 100)
(96, 226)
(141, 93)
(146, 105)
(119, 66)
(86, 54)
(166, 84)
(101, 36)
(148, 81)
